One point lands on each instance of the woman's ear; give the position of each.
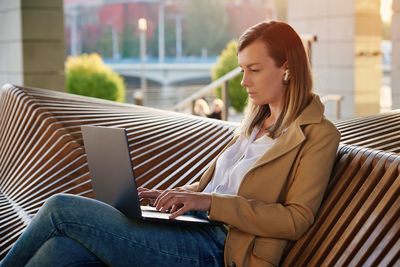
(286, 78)
(286, 65)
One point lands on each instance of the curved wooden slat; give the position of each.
(361, 205)
(42, 154)
(379, 131)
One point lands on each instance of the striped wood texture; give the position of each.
(358, 223)
(379, 131)
(41, 154)
(41, 149)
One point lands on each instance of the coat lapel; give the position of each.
(293, 137)
(289, 140)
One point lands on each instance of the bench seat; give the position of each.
(42, 154)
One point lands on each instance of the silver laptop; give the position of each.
(113, 179)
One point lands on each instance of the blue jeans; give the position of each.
(77, 231)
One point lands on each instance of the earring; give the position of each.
(285, 80)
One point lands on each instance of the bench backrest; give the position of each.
(379, 131)
(41, 154)
(358, 223)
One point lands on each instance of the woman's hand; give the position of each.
(150, 194)
(180, 201)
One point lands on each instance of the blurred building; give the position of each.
(32, 46)
(346, 58)
(395, 73)
(110, 27)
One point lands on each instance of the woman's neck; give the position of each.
(271, 119)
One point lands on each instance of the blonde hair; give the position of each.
(283, 45)
(218, 103)
(201, 107)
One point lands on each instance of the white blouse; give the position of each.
(233, 164)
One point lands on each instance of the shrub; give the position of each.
(88, 75)
(226, 62)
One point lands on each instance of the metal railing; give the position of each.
(223, 83)
(337, 99)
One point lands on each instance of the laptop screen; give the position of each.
(110, 167)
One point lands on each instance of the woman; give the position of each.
(201, 108)
(266, 186)
(218, 105)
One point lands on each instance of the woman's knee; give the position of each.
(62, 206)
(58, 201)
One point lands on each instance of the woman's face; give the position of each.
(261, 77)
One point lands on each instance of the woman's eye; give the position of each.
(255, 70)
(241, 71)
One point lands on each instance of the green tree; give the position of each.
(206, 26)
(130, 42)
(227, 62)
(105, 42)
(89, 41)
(170, 40)
(87, 75)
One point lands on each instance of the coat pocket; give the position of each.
(269, 249)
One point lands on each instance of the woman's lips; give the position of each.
(251, 93)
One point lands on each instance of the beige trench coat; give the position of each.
(280, 194)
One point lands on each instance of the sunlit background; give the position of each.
(167, 51)
(386, 10)
(193, 33)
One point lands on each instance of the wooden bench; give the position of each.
(379, 131)
(358, 223)
(41, 154)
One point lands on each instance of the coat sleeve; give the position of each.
(291, 218)
(190, 187)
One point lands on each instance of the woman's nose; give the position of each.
(245, 81)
